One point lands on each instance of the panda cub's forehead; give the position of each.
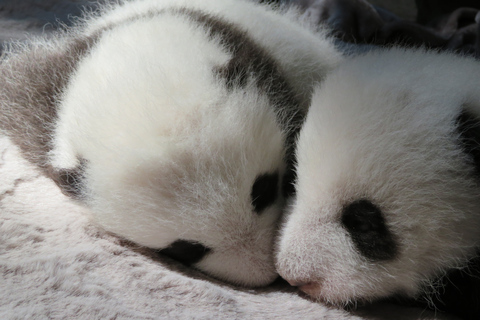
(383, 135)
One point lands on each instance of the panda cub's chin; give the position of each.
(387, 190)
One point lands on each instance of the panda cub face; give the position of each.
(387, 196)
(210, 200)
(264, 194)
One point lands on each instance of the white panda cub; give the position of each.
(173, 121)
(388, 172)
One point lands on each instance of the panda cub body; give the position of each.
(387, 192)
(173, 121)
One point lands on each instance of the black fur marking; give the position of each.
(469, 128)
(289, 179)
(234, 74)
(185, 251)
(264, 191)
(365, 223)
(249, 59)
(70, 181)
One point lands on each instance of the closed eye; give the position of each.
(185, 251)
(264, 191)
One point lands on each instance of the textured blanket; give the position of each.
(54, 264)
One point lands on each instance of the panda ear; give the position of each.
(468, 126)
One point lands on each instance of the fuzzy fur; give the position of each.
(384, 127)
(54, 264)
(128, 113)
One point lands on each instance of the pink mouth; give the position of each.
(317, 291)
(310, 288)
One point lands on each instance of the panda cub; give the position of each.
(173, 121)
(388, 172)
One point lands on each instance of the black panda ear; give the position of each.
(468, 126)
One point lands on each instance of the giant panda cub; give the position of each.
(173, 121)
(387, 191)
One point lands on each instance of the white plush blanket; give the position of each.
(54, 264)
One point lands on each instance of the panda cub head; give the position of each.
(178, 123)
(387, 191)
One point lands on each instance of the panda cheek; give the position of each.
(185, 251)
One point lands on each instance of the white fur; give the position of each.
(171, 152)
(382, 127)
(304, 54)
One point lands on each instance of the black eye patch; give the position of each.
(365, 223)
(186, 252)
(264, 191)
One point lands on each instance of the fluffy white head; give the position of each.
(172, 152)
(387, 198)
